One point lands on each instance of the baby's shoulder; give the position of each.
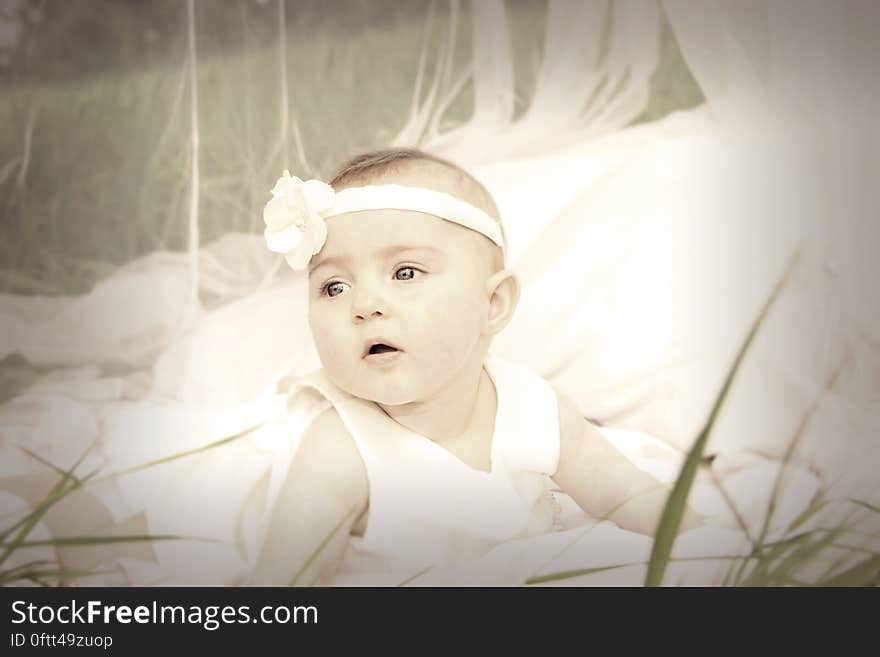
(328, 451)
(327, 427)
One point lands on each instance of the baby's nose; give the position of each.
(368, 306)
(362, 315)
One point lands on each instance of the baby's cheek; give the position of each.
(328, 342)
(461, 309)
(454, 334)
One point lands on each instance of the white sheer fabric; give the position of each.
(646, 255)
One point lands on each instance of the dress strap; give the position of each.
(530, 427)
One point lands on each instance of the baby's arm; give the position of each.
(325, 492)
(605, 483)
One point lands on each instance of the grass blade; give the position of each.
(673, 512)
(565, 574)
(55, 495)
(414, 577)
(48, 464)
(675, 506)
(865, 573)
(801, 553)
(14, 573)
(815, 506)
(75, 541)
(181, 455)
(58, 573)
(323, 544)
(27, 524)
(867, 505)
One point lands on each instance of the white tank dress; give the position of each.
(428, 509)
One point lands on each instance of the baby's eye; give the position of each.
(405, 273)
(334, 288)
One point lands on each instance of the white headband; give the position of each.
(296, 213)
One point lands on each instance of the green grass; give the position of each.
(769, 563)
(15, 537)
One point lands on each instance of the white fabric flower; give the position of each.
(294, 224)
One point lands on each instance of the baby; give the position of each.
(429, 452)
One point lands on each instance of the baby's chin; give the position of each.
(385, 395)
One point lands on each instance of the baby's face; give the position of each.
(398, 303)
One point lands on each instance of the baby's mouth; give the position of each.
(377, 347)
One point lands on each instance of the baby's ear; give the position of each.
(503, 291)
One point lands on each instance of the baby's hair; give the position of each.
(376, 164)
(369, 167)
